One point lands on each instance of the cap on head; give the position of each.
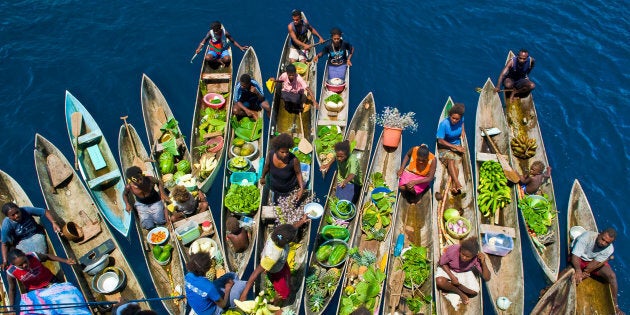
(134, 174)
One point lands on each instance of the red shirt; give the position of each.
(36, 277)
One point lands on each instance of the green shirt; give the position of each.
(349, 166)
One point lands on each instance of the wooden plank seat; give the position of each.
(217, 77)
(98, 162)
(104, 180)
(89, 139)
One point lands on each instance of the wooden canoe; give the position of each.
(507, 271)
(98, 167)
(237, 262)
(132, 152)
(68, 202)
(332, 119)
(466, 204)
(217, 81)
(523, 120)
(592, 296)
(386, 161)
(559, 299)
(415, 222)
(361, 129)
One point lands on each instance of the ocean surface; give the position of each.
(411, 54)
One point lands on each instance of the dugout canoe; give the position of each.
(217, 81)
(465, 202)
(237, 262)
(507, 271)
(386, 161)
(166, 279)
(331, 119)
(361, 129)
(523, 120)
(98, 166)
(559, 299)
(70, 201)
(591, 296)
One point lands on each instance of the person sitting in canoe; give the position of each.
(515, 75)
(236, 235)
(339, 55)
(589, 257)
(184, 204)
(417, 176)
(20, 230)
(456, 271)
(349, 177)
(148, 201)
(207, 297)
(273, 261)
(294, 90)
(531, 182)
(283, 168)
(218, 40)
(249, 98)
(298, 31)
(449, 135)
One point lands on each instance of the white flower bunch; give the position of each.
(393, 118)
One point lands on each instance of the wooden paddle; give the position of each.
(505, 165)
(304, 146)
(76, 120)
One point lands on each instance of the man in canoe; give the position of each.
(218, 39)
(298, 30)
(339, 55)
(515, 75)
(589, 257)
(294, 90)
(249, 98)
(148, 201)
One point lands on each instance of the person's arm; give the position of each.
(298, 173)
(451, 275)
(250, 281)
(203, 42)
(450, 146)
(202, 202)
(5, 249)
(350, 53)
(126, 192)
(311, 96)
(525, 180)
(504, 73)
(429, 176)
(11, 281)
(404, 162)
(265, 170)
(485, 272)
(531, 65)
(44, 257)
(50, 218)
(302, 221)
(224, 301)
(160, 186)
(353, 169)
(314, 31)
(294, 37)
(228, 36)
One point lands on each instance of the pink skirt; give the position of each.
(407, 176)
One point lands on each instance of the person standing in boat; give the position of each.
(339, 54)
(148, 201)
(284, 169)
(349, 177)
(20, 230)
(589, 257)
(218, 40)
(294, 91)
(417, 176)
(515, 75)
(249, 98)
(298, 31)
(449, 136)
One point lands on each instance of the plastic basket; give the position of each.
(334, 242)
(497, 244)
(243, 178)
(378, 190)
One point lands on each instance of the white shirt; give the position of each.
(586, 248)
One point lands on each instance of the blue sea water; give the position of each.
(411, 54)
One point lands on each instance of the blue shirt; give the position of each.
(201, 294)
(239, 90)
(14, 232)
(450, 133)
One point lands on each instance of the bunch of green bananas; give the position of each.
(523, 146)
(494, 192)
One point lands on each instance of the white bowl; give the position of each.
(251, 155)
(314, 210)
(205, 241)
(155, 230)
(107, 282)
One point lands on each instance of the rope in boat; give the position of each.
(43, 307)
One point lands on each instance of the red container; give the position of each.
(207, 100)
(337, 88)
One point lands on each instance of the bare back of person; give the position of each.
(239, 241)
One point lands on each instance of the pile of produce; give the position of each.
(342, 209)
(458, 227)
(494, 192)
(162, 253)
(332, 254)
(334, 103)
(206, 165)
(377, 214)
(211, 121)
(537, 212)
(327, 137)
(242, 199)
(330, 232)
(417, 268)
(247, 129)
(321, 284)
(258, 306)
(242, 148)
(364, 290)
(523, 146)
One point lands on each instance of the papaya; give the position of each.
(157, 251)
(167, 248)
(323, 252)
(334, 232)
(338, 254)
(164, 256)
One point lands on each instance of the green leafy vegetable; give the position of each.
(538, 214)
(335, 98)
(242, 199)
(416, 266)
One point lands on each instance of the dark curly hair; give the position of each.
(458, 108)
(180, 194)
(283, 234)
(470, 245)
(343, 146)
(199, 264)
(232, 225)
(423, 151)
(282, 141)
(8, 206)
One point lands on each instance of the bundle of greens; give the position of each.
(244, 128)
(212, 120)
(365, 293)
(416, 265)
(242, 199)
(327, 137)
(537, 212)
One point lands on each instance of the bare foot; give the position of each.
(465, 299)
(456, 190)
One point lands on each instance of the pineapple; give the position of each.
(316, 302)
(368, 258)
(219, 272)
(211, 274)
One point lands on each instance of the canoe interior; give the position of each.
(560, 297)
(507, 271)
(66, 202)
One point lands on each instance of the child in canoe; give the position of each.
(531, 182)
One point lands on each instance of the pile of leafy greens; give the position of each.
(366, 292)
(243, 199)
(212, 120)
(327, 137)
(538, 213)
(244, 128)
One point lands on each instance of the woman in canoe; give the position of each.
(348, 173)
(457, 268)
(19, 229)
(449, 138)
(283, 168)
(417, 176)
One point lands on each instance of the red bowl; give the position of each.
(218, 140)
(207, 100)
(337, 88)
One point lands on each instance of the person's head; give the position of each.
(12, 211)
(233, 226)
(606, 237)
(282, 145)
(422, 155)
(342, 150)
(180, 194)
(522, 56)
(134, 175)
(468, 249)
(335, 35)
(199, 264)
(283, 234)
(291, 72)
(537, 168)
(456, 113)
(128, 309)
(246, 81)
(362, 310)
(17, 258)
(296, 15)
(216, 26)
